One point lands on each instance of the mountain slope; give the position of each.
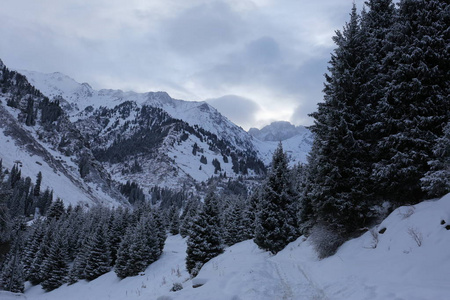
(391, 265)
(296, 140)
(37, 136)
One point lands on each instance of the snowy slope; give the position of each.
(192, 112)
(394, 265)
(20, 145)
(297, 140)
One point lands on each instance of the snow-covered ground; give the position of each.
(410, 260)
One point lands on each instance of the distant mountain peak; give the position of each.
(277, 131)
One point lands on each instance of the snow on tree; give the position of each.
(339, 178)
(55, 267)
(174, 220)
(205, 237)
(415, 105)
(12, 275)
(98, 254)
(187, 217)
(276, 220)
(436, 182)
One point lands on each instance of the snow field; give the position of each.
(397, 268)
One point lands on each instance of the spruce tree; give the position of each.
(37, 186)
(414, 108)
(98, 254)
(276, 221)
(339, 181)
(54, 267)
(12, 277)
(205, 237)
(436, 182)
(174, 220)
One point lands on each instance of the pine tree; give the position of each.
(436, 182)
(174, 220)
(187, 217)
(234, 230)
(54, 267)
(137, 250)
(339, 181)
(34, 273)
(205, 238)
(276, 221)
(56, 210)
(32, 245)
(414, 108)
(37, 186)
(11, 274)
(98, 254)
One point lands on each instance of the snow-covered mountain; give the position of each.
(37, 137)
(404, 257)
(181, 141)
(296, 140)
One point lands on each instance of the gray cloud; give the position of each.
(202, 28)
(272, 53)
(239, 110)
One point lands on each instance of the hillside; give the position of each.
(175, 142)
(408, 261)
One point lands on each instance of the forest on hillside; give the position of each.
(382, 140)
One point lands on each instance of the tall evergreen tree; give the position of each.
(11, 274)
(276, 220)
(98, 254)
(338, 193)
(436, 182)
(174, 220)
(55, 268)
(37, 186)
(414, 108)
(205, 238)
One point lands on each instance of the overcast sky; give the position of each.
(255, 60)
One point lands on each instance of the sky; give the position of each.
(256, 61)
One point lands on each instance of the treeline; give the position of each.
(20, 197)
(72, 244)
(385, 108)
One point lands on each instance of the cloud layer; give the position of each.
(260, 60)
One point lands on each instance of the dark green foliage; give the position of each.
(139, 248)
(205, 237)
(415, 105)
(216, 164)
(436, 182)
(190, 211)
(11, 275)
(84, 166)
(276, 220)
(31, 114)
(174, 220)
(98, 254)
(237, 223)
(50, 110)
(37, 185)
(133, 192)
(56, 210)
(54, 268)
(203, 160)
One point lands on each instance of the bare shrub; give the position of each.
(177, 287)
(416, 235)
(325, 241)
